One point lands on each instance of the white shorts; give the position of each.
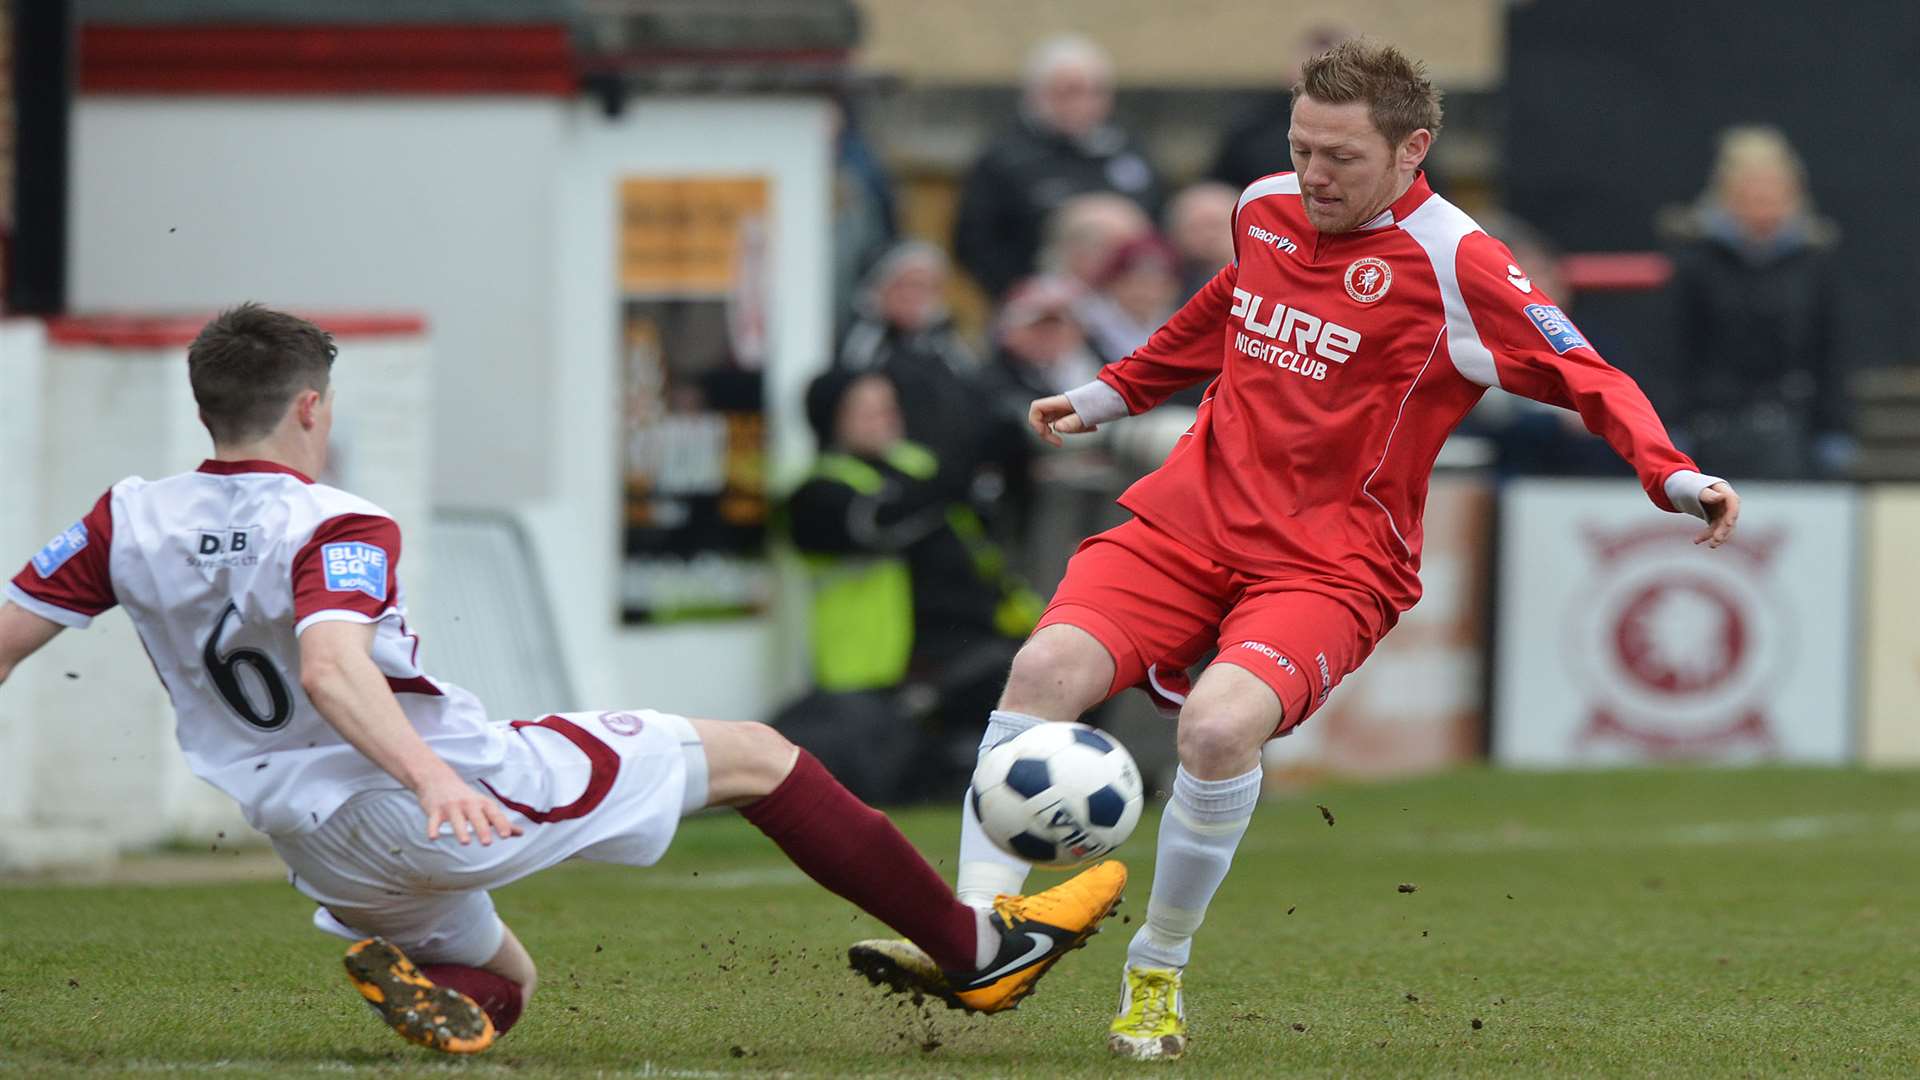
(608, 786)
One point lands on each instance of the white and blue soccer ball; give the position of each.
(1057, 794)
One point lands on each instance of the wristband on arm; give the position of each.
(1096, 403)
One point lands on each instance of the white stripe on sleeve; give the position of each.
(1283, 184)
(1439, 226)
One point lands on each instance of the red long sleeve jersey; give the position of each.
(1343, 361)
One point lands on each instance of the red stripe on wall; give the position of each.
(167, 331)
(323, 59)
(1616, 271)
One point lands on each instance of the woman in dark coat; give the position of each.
(1761, 384)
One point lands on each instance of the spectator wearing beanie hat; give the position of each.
(1134, 293)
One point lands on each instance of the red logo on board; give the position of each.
(1680, 651)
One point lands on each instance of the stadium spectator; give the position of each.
(1133, 294)
(1083, 233)
(1763, 386)
(864, 224)
(1199, 223)
(903, 330)
(1255, 142)
(1040, 344)
(1063, 144)
(912, 600)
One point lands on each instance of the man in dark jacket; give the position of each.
(903, 330)
(1064, 144)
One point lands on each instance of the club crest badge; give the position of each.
(622, 723)
(1369, 279)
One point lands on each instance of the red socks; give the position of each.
(856, 852)
(498, 995)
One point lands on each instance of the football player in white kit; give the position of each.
(273, 612)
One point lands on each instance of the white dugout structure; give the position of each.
(493, 221)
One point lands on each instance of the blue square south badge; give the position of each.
(1554, 325)
(59, 549)
(356, 567)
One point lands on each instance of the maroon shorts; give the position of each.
(1158, 606)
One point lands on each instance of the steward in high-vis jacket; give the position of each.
(906, 579)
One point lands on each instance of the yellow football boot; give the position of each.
(1152, 1021)
(1035, 932)
(412, 1004)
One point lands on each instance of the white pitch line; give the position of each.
(727, 879)
(1704, 834)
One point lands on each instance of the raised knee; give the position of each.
(1053, 672)
(1031, 664)
(1213, 744)
(770, 755)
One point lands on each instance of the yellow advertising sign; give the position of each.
(681, 236)
(693, 300)
(1892, 653)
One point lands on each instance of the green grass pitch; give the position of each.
(1647, 923)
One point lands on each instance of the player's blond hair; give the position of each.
(1399, 96)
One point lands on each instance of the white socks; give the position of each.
(985, 870)
(1198, 834)
(987, 945)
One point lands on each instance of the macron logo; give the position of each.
(1272, 654)
(1272, 239)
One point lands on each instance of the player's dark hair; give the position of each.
(1399, 97)
(247, 366)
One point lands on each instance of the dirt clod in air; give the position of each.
(1290, 910)
(1477, 1025)
(1408, 886)
(1411, 996)
(737, 1051)
(1325, 813)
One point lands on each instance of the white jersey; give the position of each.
(221, 570)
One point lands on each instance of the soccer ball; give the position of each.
(1057, 794)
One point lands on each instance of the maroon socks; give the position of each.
(856, 852)
(498, 995)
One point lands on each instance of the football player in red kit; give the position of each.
(1360, 320)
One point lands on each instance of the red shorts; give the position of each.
(1158, 606)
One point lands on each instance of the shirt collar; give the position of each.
(1406, 204)
(238, 468)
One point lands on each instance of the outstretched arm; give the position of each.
(1190, 348)
(21, 635)
(338, 673)
(1528, 346)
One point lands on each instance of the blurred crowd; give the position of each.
(918, 520)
